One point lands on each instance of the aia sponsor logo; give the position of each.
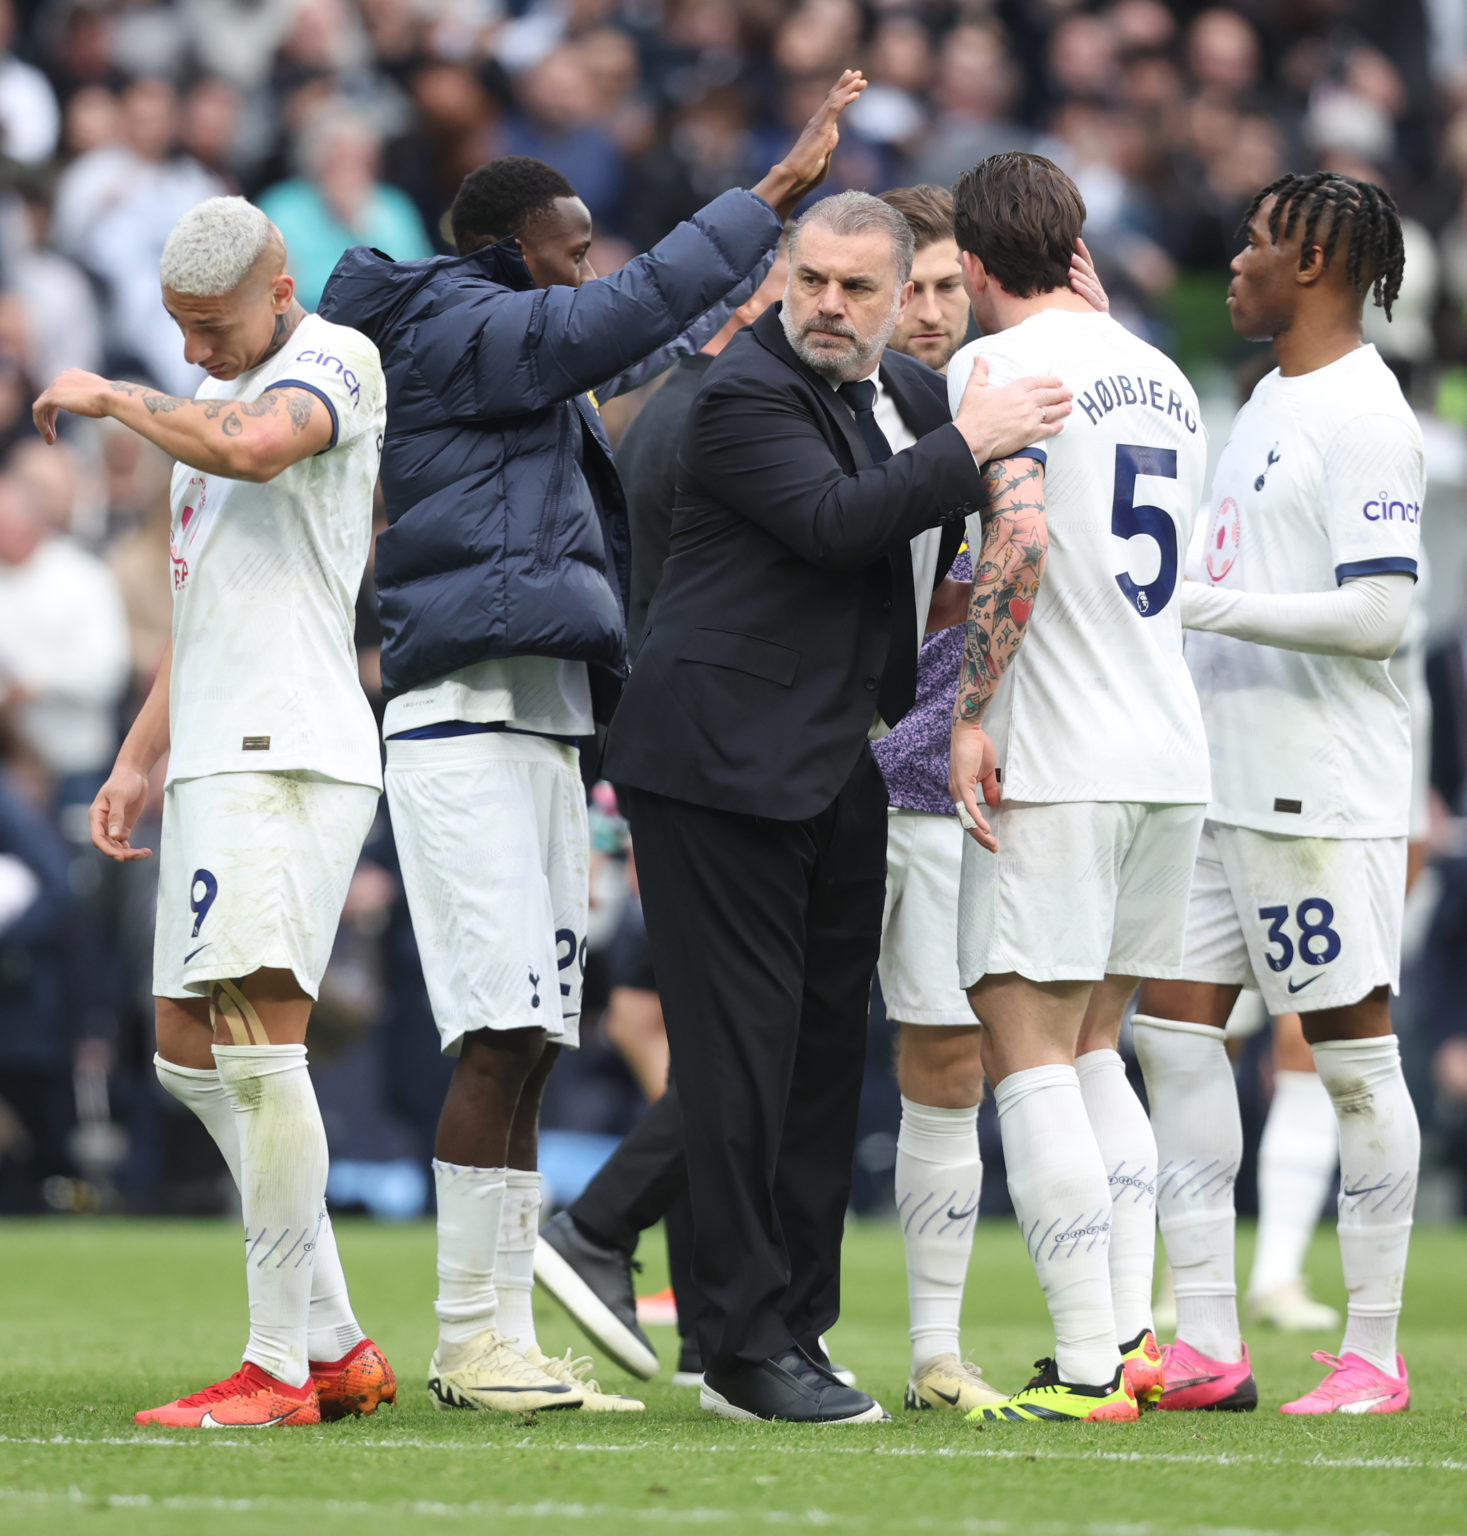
(1223, 535)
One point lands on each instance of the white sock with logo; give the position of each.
(514, 1265)
(1380, 1158)
(283, 1163)
(1128, 1149)
(333, 1329)
(1062, 1200)
(1199, 1144)
(938, 1178)
(470, 1207)
(1296, 1165)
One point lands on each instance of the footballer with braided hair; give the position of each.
(1298, 596)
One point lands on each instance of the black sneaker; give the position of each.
(594, 1284)
(788, 1389)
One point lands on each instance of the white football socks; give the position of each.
(938, 1178)
(514, 1265)
(1128, 1149)
(470, 1202)
(283, 1190)
(1296, 1165)
(333, 1329)
(1057, 1182)
(1380, 1157)
(1199, 1143)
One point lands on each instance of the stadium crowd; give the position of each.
(353, 124)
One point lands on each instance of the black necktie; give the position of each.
(898, 687)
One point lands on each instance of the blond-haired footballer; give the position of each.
(273, 770)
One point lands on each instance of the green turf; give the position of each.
(99, 1318)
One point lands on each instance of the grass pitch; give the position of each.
(99, 1318)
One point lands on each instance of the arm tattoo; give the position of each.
(1006, 580)
(299, 406)
(231, 426)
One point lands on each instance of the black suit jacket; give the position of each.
(756, 682)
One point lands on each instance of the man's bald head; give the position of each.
(225, 283)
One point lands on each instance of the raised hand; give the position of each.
(808, 161)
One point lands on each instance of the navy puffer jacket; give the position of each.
(493, 546)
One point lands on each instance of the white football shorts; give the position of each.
(1078, 890)
(1312, 922)
(253, 870)
(919, 929)
(495, 854)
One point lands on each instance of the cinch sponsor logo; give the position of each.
(325, 360)
(1104, 395)
(1384, 510)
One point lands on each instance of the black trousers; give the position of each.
(765, 936)
(643, 1182)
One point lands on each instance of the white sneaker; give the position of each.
(490, 1373)
(1291, 1309)
(577, 1374)
(947, 1382)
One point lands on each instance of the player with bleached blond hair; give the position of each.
(273, 770)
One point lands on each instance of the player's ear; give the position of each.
(975, 274)
(1311, 266)
(907, 293)
(282, 293)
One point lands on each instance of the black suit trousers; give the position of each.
(764, 936)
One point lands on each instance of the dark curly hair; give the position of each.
(501, 198)
(1332, 206)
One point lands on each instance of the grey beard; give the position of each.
(856, 365)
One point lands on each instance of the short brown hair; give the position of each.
(928, 211)
(1020, 215)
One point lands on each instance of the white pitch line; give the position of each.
(673, 1447)
(600, 1513)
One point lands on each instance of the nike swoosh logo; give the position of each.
(1303, 984)
(953, 1215)
(1364, 1404)
(198, 951)
(210, 1422)
(1190, 1381)
(951, 1398)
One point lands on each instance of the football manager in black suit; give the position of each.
(783, 633)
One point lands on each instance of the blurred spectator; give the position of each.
(63, 324)
(114, 208)
(63, 644)
(556, 122)
(338, 202)
(977, 84)
(37, 1030)
(30, 120)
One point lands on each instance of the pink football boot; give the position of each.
(1354, 1386)
(1194, 1381)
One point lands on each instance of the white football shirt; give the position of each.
(1097, 703)
(1321, 480)
(265, 582)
